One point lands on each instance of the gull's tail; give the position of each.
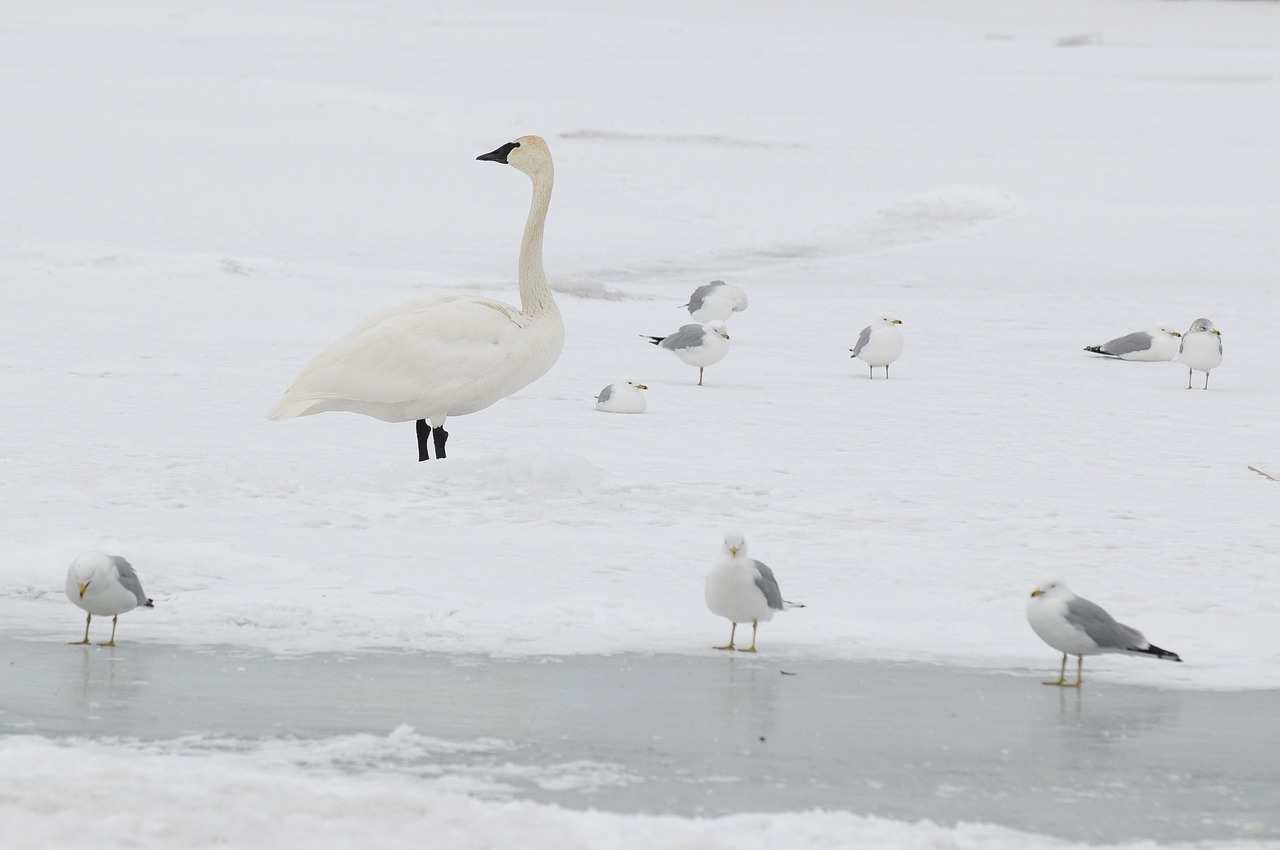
(786, 605)
(1157, 652)
(653, 340)
(148, 604)
(1097, 349)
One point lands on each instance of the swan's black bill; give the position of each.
(499, 155)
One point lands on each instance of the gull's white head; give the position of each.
(1202, 326)
(888, 319)
(85, 569)
(630, 382)
(735, 545)
(718, 327)
(1165, 329)
(529, 154)
(1052, 587)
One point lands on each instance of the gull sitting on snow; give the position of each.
(742, 589)
(1078, 627)
(716, 300)
(1201, 349)
(697, 345)
(622, 396)
(104, 584)
(879, 344)
(1159, 343)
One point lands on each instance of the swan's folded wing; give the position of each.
(401, 354)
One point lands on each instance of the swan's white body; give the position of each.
(444, 355)
(1201, 349)
(622, 396)
(880, 343)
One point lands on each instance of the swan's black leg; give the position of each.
(441, 435)
(424, 440)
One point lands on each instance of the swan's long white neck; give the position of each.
(535, 293)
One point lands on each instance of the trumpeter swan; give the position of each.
(445, 355)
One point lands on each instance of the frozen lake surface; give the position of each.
(702, 735)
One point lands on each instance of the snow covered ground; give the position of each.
(199, 197)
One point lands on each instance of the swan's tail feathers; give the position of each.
(1157, 652)
(653, 340)
(1097, 349)
(786, 605)
(291, 406)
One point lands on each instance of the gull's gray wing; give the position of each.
(605, 393)
(689, 336)
(129, 578)
(1219, 343)
(1182, 346)
(768, 586)
(1127, 344)
(1101, 627)
(863, 339)
(699, 296)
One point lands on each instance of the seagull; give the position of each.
(622, 396)
(716, 300)
(1159, 343)
(697, 345)
(445, 355)
(104, 584)
(879, 344)
(1076, 626)
(1201, 349)
(741, 589)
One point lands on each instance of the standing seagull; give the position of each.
(1076, 626)
(879, 344)
(622, 396)
(697, 345)
(741, 589)
(445, 355)
(1159, 343)
(716, 300)
(1201, 349)
(104, 584)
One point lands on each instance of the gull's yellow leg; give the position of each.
(699, 376)
(1062, 674)
(1079, 672)
(111, 642)
(1189, 379)
(731, 634)
(87, 618)
(753, 637)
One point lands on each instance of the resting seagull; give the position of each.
(445, 355)
(697, 345)
(104, 584)
(740, 588)
(716, 300)
(1201, 349)
(622, 396)
(1159, 343)
(879, 344)
(1076, 626)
